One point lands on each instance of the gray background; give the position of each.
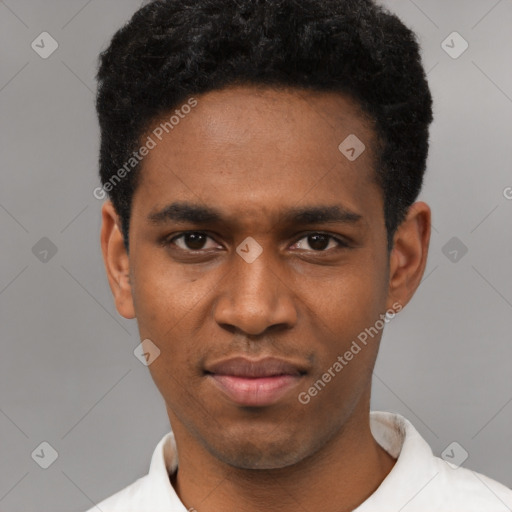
(68, 375)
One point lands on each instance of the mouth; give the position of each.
(255, 383)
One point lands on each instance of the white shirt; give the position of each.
(418, 482)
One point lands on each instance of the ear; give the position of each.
(408, 257)
(117, 263)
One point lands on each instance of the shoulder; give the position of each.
(129, 499)
(423, 482)
(459, 486)
(152, 491)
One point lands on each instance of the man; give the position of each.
(262, 160)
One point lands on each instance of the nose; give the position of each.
(254, 297)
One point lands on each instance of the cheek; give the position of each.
(347, 309)
(164, 295)
(351, 299)
(165, 303)
(167, 306)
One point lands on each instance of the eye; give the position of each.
(198, 241)
(319, 242)
(190, 241)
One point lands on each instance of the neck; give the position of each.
(337, 478)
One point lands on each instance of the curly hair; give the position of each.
(171, 49)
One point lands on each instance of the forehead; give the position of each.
(258, 149)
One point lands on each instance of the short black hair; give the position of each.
(172, 49)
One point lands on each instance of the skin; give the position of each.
(252, 153)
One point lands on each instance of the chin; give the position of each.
(264, 457)
(245, 451)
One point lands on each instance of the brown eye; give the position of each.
(190, 241)
(195, 241)
(319, 242)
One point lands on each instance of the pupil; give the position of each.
(195, 240)
(318, 242)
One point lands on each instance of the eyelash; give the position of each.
(168, 241)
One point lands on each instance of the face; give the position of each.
(257, 258)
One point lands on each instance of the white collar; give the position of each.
(392, 431)
(418, 482)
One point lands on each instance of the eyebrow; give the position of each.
(185, 212)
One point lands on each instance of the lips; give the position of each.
(255, 383)
(267, 367)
